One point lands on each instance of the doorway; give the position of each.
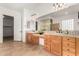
(8, 28)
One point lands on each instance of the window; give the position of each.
(68, 24)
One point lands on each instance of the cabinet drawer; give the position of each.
(69, 49)
(67, 53)
(70, 39)
(69, 44)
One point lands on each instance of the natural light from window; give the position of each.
(68, 24)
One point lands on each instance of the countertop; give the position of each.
(54, 33)
(41, 36)
(62, 34)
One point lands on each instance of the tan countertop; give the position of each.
(61, 34)
(39, 35)
(54, 33)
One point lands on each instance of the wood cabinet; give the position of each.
(29, 37)
(77, 46)
(68, 46)
(47, 43)
(32, 39)
(56, 45)
(53, 44)
(62, 45)
(35, 39)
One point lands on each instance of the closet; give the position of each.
(8, 28)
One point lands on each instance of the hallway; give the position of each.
(21, 49)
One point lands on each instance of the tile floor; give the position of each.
(21, 49)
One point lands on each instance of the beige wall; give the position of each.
(17, 23)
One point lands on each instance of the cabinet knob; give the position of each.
(67, 49)
(67, 44)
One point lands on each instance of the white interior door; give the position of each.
(17, 29)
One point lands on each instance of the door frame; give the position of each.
(13, 25)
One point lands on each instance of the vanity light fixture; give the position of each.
(58, 5)
(33, 16)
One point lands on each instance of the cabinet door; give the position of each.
(77, 46)
(35, 39)
(47, 41)
(56, 45)
(29, 37)
(47, 47)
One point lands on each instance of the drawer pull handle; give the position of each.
(67, 39)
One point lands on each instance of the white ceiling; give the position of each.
(21, 6)
(70, 10)
(41, 9)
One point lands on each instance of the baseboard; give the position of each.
(17, 40)
(1, 41)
